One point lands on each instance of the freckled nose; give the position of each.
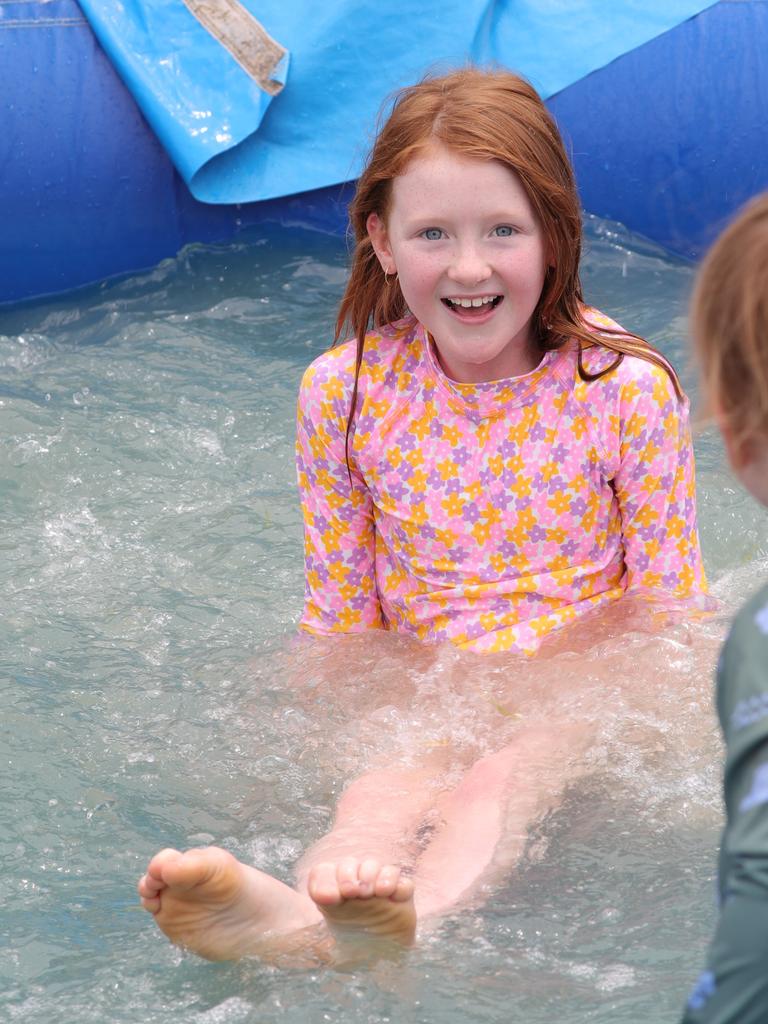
(468, 266)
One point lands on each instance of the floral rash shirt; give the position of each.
(489, 514)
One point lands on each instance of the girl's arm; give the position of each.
(339, 534)
(655, 486)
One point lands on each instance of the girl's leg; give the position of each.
(209, 902)
(354, 873)
(485, 820)
(377, 815)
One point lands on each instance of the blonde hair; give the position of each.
(729, 323)
(491, 115)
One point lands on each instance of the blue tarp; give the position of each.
(668, 130)
(234, 143)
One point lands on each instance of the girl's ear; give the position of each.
(749, 460)
(377, 232)
(740, 453)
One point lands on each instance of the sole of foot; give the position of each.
(210, 903)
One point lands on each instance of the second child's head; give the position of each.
(729, 320)
(467, 216)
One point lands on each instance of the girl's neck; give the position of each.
(515, 363)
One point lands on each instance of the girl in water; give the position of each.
(486, 461)
(730, 328)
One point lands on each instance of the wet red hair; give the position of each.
(491, 115)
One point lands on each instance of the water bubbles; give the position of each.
(610, 914)
(205, 441)
(616, 976)
(154, 567)
(200, 839)
(27, 884)
(232, 1010)
(68, 531)
(99, 809)
(141, 758)
(608, 978)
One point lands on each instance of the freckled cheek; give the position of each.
(522, 267)
(419, 280)
(532, 269)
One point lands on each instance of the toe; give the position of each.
(160, 862)
(386, 881)
(368, 873)
(188, 870)
(148, 886)
(403, 890)
(152, 905)
(323, 885)
(348, 877)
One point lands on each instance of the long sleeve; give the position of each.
(339, 531)
(655, 486)
(489, 514)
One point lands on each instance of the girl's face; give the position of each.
(470, 256)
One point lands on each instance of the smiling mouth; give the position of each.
(480, 304)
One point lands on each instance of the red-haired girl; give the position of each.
(487, 460)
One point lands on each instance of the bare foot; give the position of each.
(364, 897)
(207, 901)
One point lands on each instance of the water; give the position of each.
(153, 692)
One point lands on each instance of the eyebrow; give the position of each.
(428, 218)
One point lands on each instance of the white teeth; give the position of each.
(472, 303)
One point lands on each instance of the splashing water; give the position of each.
(154, 693)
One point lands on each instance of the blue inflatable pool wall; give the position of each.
(130, 130)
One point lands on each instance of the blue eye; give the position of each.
(504, 231)
(432, 234)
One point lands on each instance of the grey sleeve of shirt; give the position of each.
(733, 989)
